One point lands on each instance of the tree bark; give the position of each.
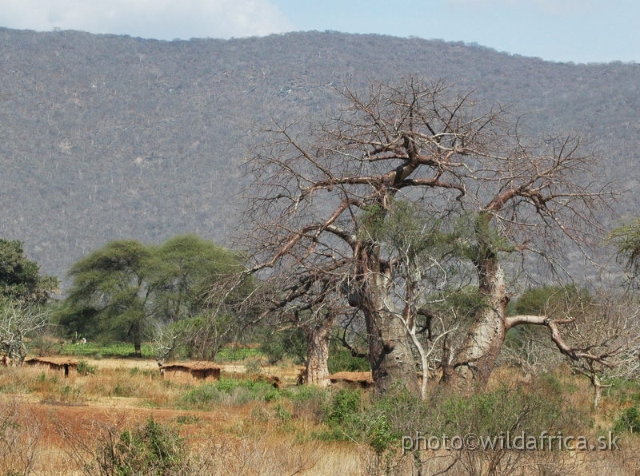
(392, 363)
(477, 357)
(393, 366)
(318, 336)
(136, 335)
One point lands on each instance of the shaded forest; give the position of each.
(111, 137)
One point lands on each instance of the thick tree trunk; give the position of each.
(393, 366)
(476, 359)
(392, 363)
(318, 336)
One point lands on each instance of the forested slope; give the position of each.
(107, 137)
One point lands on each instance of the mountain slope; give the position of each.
(107, 137)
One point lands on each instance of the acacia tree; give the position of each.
(420, 142)
(125, 288)
(112, 292)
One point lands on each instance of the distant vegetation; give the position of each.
(418, 236)
(111, 137)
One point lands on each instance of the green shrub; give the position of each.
(382, 423)
(286, 343)
(340, 359)
(345, 404)
(84, 368)
(150, 449)
(230, 392)
(628, 421)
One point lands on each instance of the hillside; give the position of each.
(107, 137)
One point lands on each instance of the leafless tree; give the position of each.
(608, 328)
(19, 324)
(319, 192)
(601, 338)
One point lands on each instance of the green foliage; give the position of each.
(382, 422)
(628, 421)
(230, 392)
(404, 227)
(235, 353)
(84, 368)
(341, 359)
(290, 342)
(152, 449)
(345, 404)
(494, 412)
(122, 290)
(465, 302)
(552, 299)
(626, 239)
(98, 350)
(348, 419)
(188, 267)
(20, 278)
(111, 288)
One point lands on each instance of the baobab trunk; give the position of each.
(393, 366)
(318, 336)
(392, 363)
(477, 357)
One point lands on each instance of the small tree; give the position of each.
(626, 239)
(19, 325)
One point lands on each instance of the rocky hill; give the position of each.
(107, 137)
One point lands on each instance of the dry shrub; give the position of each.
(19, 439)
(266, 456)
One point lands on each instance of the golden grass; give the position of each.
(59, 423)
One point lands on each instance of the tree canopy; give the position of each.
(626, 239)
(124, 289)
(20, 278)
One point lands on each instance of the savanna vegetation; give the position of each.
(419, 237)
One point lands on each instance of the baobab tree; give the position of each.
(319, 193)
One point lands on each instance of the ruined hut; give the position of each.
(56, 364)
(205, 371)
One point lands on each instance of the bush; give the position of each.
(230, 392)
(348, 419)
(628, 421)
(345, 404)
(84, 368)
(287, 343)
(340, 359)
(152, 449)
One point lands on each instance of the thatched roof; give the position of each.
(191, 366)
(356, 377)
(51, 361)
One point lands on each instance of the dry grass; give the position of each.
(53, 425)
